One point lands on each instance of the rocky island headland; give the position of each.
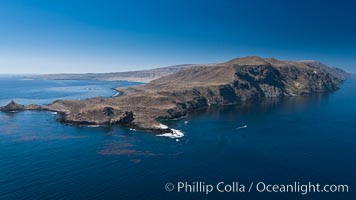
(192, 87)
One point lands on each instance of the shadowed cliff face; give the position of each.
(174, 95)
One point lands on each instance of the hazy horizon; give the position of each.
(134, 69)
(47, 37)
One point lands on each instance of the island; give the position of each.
(193, 87)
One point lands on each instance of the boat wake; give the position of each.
(241, 127)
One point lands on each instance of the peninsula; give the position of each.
(193, 87)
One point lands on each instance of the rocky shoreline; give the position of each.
(125, 120)
(173, 96)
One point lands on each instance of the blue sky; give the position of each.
(74, 36)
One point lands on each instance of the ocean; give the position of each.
(285, 141)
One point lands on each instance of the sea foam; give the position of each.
(175, 134)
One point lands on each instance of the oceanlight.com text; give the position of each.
(261, 187)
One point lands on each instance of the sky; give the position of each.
(79, 36)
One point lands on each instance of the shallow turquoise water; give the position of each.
(294, 139)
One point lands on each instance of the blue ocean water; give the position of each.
(37, 91)
(275, 141)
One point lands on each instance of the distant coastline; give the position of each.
(143, 76)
